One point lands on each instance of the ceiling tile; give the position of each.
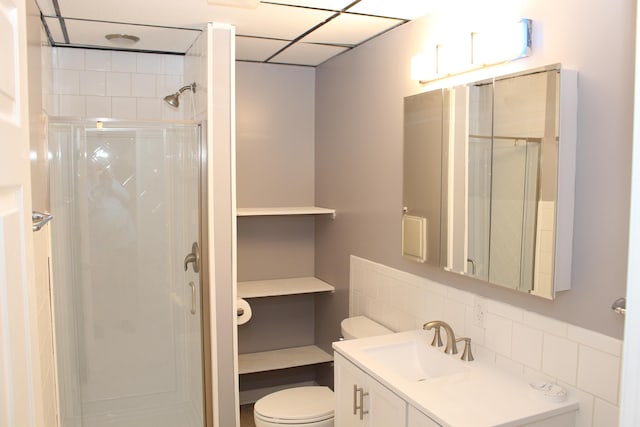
(307, 54)
(261, 32)
(255, 49)
(267, 20)
(336, 5)
(279, 22)
(53, 24)
(350, 29)
(46, 7)
(405, 9)
(90, 33)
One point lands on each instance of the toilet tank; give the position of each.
(361, 327)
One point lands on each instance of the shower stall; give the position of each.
(127, 292)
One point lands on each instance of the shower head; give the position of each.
(174, 98)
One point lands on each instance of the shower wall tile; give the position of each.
(149, 63)
(66, 82)
(97, 60)
(69, 59)
(98, 106)
(149, 108)
(125, 62)
(72, 105)
(173, 64)
(52, 104)
(92, 83)
(118, 84)
(143, 85)
(124, 108)
(167, 84)
(584, 362)
(124, 85)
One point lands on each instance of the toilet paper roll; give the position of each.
(244, 311)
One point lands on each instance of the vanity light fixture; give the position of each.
(495, 44)
(430, 65)
(502, 42)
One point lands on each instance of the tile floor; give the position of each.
(246, 416)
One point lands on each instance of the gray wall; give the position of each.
(275, 140)
(275, 167)
(359, 99)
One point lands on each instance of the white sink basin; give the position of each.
(415, 360)
(450, 391)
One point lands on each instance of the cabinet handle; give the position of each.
(358, 403)
(355, 399)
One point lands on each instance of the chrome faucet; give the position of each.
(451, 347)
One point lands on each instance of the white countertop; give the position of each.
(477, 394)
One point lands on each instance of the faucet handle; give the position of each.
(437, 339)
(466, 353)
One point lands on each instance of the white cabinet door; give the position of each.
(385, 407)
(347, 376)
(416, 418)
(363, 402)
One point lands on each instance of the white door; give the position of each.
(20, 393)
(630, 393)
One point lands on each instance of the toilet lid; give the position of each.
(308, 404)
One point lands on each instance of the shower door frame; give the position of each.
(203, 241)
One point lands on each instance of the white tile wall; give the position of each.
(122, 85)
(585, 362)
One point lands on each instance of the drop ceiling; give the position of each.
(299, 32)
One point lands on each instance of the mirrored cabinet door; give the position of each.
(507, 178)
(422, 175)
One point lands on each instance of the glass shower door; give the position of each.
(127, 303)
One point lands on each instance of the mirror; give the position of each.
(482, 166)
(422, 164)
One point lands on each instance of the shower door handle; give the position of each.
(193, 258)
(193, 297)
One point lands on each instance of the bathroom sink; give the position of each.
(415, 360)
(449, 391)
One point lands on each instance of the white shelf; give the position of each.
(299, 210)
(279, 287)
(282, 359)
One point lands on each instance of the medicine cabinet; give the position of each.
(488, 178)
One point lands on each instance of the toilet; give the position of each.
(311, 406)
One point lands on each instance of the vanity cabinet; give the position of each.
(379, 382)
(361, 401)
(416, 418)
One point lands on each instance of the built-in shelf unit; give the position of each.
(271, 291)
(282, 211)
(282, 359)
(279, 287)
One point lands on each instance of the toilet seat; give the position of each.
(299, 405)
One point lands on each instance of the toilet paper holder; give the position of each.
(243, 311)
